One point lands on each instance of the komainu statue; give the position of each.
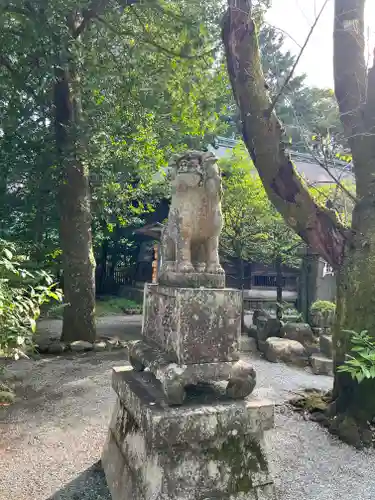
(190, 240)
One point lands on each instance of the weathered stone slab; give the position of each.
(285, 350)
(174, 378)
(143, 397)
(208, 449)
(326, 345)
(302, 333)
(192, 280)
(193, 325)
(321, 365)
(272, 328)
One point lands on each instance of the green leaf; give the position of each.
(32, 324)
(359, 376)
(54, 295)
(8, 254)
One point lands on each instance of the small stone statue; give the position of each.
(190, 239)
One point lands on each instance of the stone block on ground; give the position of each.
(81, 346)
(248, 344)
(321, 365)
(285, 350)
(252, 332)
(100, 346)
(56, 348)
(272, 328)
(260, 317)
(42, 345)
(326, 345)
(193, 325)
(302, 333)
(209, 448)
(113, 343)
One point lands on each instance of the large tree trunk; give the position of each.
(351, 253)
(75, 212)
(355, 93)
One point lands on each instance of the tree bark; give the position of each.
(75, 211)
(355, 94)
(351, 253)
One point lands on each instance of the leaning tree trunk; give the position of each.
(350, 252)
(75, 212)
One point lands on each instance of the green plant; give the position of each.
(108, 306)
(360, 365)
(323, 306)
(22, 293)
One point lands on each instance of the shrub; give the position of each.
(360, 365)
(323, 306)
(22, 293)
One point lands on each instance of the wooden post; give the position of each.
(279, 288)
(155, 264)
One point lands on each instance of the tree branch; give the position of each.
(180, 55)
(289, 77)
(262, 134)
(95, 9)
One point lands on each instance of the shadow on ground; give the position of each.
(55, 379)
(90, 485)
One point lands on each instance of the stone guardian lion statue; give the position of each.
(190, 239)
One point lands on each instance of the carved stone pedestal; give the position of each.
(192, 336)
(193, 325)
(210, 448)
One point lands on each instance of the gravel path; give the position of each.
(51, 439)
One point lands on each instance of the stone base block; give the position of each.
(326, 345)
(174, 378)
(193, 325)
(192, 280)
(285, 350)
(321, 365)
(248, 344)
(208, 449)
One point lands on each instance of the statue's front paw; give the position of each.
(168, 267)
(214, 269)
(185, 267)
(200, 267)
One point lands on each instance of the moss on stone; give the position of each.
(6, 397)
(243, 456)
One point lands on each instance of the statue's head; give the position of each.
(200, 163)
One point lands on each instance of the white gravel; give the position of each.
(51, 439)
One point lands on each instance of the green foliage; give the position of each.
(361, 364)
(105, 306)
(323, 306)
(108, 306)
(140, 104)
(22, 293)
(253, 229)
(340, 196)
